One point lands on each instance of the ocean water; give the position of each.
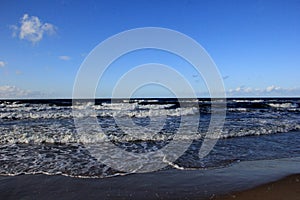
(39, 136)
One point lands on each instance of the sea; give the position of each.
(40, 136)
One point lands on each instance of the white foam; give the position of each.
(237, 109)
(282, 105)
(248, 101)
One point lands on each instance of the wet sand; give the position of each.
(165, 184)
(286, 188)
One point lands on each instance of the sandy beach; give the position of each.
(222, 183)
(59, 187)
(286, 188)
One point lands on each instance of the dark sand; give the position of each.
(286, 188)
(165, 184)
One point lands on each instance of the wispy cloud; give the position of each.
(15, 92)
(2, 63)
(64, 58)
(268, 91)
(32, 29)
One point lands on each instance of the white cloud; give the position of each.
(261, 92)
(64, 58)
(272, 88)
(2, 64)
(8, 92)
(32, 29)
(14, 29)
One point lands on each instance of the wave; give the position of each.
(248, 101)
(23, 111)
(238, 109)
(40, 123)
(283, 105)
(42, 137)
(76, 161)
(66, 132)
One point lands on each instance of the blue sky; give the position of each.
(255, 44)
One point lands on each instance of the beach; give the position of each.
(166, 100)
(46, 155)
(286, 188)
(221, 183)
(153, 100)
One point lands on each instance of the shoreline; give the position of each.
(285, 188)
(165, 184)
